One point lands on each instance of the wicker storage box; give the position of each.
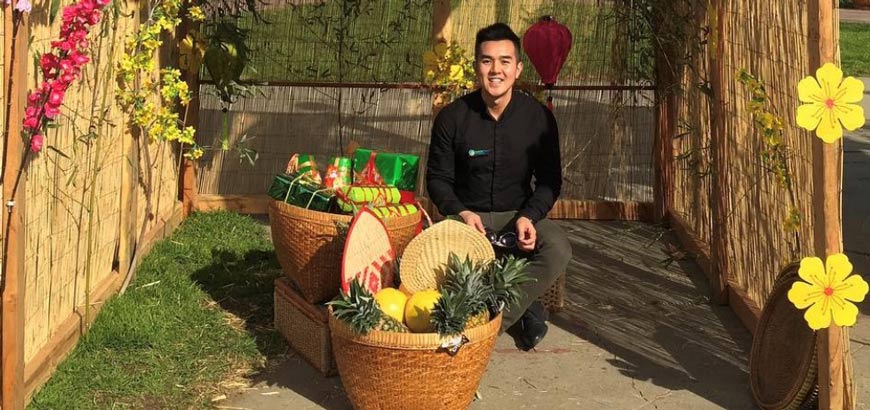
(304, 326)
(309, 245)
(554, 298)
(384, 370)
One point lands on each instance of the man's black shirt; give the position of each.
(477, 163)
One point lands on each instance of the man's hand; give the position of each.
(473, 220)
(526, 234)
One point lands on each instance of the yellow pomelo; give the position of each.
(392, 303)
(418, 310)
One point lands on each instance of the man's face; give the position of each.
(497, 67)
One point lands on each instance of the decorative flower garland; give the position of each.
(60, 67)
(137, 87)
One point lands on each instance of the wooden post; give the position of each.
(836, 389)
(441, 24)
(665, 117)
(12, 345)
(187, 191)
(719, 151)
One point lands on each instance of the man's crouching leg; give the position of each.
(549, 260)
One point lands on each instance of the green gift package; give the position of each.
(385, 168)
(301, 191)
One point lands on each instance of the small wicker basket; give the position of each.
(309, 245)
(554, 299)
(304, 326)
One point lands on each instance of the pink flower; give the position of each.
(67, 78)
(34, 97)
(31, 123)
(31, 111)
(51, 112)
(66, 65)
(103, 3)
(79, 58)
(23, 6)
(36, 142)
(56, 98)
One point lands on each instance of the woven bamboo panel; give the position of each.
(769, 40)
(73, 187)
(606, 136)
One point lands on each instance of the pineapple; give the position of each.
(470, 277)
(390, 324)
(358, 309)
(505, 275)
(479, 319)
(451, 312)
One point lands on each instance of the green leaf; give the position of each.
(53, 9)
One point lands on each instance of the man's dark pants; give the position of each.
(549, 260)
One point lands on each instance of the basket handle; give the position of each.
(423, 210)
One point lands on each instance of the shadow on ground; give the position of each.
(651, 311)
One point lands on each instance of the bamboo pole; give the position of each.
(12, 344)
(836, 389)
(719, 151)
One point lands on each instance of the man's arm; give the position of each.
(548, 174)
(441, 167)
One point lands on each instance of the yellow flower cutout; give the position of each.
(828, 291)
(830, 101)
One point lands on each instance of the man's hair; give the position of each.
(496, 32)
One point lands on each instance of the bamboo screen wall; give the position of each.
(75, 221)
(606, 135)
(770, 41)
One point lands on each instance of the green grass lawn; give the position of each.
(199, 313)
(855, 49)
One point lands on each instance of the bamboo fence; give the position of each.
(84, 203)
(606, 133)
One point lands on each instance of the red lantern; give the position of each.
(547, 44)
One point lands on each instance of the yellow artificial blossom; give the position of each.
(831, 103)
(157, 118)
(196, 13)
(447, 70)
(828, 291)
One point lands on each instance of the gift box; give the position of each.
(297, 189)
(356, 196)
(303, 164)
(394, 210)
(385, 168)
(338, 173)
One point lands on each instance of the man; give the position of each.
(485, 149)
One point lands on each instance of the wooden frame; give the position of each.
(12, 342)
(836, 388)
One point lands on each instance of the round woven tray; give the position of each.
(782, 364)
(309, 245)
(387, 370)
(425, 259)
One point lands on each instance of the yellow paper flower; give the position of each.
(828, 291)
(830, 102)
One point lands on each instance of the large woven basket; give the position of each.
(304, 326)
(309, 245)
(385, 370)
(782, 363)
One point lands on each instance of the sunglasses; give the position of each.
(507, 240)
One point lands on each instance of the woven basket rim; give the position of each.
(418, 273)
(328, 218)
(806, 375)
(410, 341)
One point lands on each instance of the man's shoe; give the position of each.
(531, 328)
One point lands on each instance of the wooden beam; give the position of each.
(14, 188)
(692, 244)
(187, 190)
(246, 204)
(441, 22)
(40, 368)
(665, 118)
(746, 310)
(836, 388)
(721, 191)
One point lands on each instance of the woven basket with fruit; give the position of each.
(392, 346)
